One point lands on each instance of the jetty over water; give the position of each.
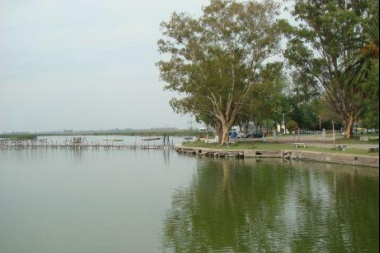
(82, 143)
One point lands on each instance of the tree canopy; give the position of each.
(318, 46)
(362, 68)
(214, 61)
(221, 64)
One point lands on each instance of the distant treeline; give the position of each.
(17, 136)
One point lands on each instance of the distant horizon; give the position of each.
(111, 130)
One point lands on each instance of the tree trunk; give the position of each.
(218, 130)
(349, 126)
(225, 135)
(226, 127)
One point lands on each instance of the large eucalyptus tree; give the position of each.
(215, 60)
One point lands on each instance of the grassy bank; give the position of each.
(259, 145)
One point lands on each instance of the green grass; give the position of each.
(277, 147)
(356, 141)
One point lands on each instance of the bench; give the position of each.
(299, 144)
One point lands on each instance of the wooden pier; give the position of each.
(80, 143)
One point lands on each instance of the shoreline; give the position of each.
(293, 154)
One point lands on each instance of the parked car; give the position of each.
(255, 134)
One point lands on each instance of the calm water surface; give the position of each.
(57, 200)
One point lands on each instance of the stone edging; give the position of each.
(349, 159)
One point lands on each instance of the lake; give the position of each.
(79, 201)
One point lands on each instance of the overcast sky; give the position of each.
(84, 64)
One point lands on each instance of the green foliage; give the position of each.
(291, 126)
(370, 114)
(306, 115)
(316, 49)
(362, 69)
(216, 60)
(267, 96)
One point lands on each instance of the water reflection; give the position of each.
(79, 201)
(62, 200)
(272, 206)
